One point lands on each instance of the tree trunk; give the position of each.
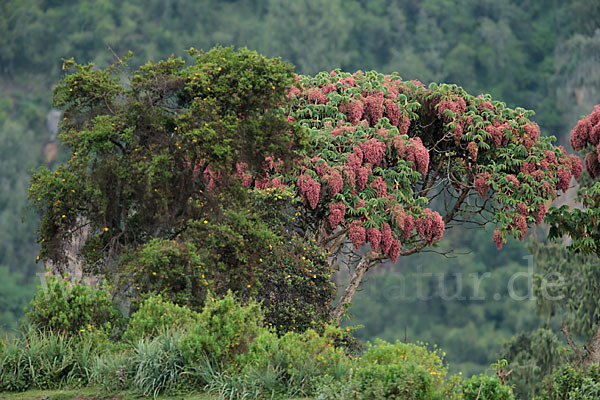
(592, 356)
(360, 271)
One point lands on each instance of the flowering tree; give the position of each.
(578, 294)
(154, 188)
(392, 164)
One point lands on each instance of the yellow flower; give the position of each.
(249, 285)
(260, 259)
(154, 273)
(64, 216)
(105, 229)
(205, 221)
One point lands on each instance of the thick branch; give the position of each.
(359, 272)
(592, 355)
(578, 355)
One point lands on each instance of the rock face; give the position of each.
(73, 267)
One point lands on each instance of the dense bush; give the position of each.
(155, 314)
(296, 364)
(73, 308)
(568, 383)
(485, 388)
(394, 371)
(224, 329)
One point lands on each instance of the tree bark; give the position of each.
(592, 354)
(359, 272)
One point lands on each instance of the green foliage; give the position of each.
(295, 364)
(15, 293)
(139, 152)
(154, 316)
(533, 356)
(73, 308)
(390, 371)
(113, 371)
(485, 388)
(572, 384)
(159, 363)
(45, 360)
(224, 329)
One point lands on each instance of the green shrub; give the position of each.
(156, 314)
(73, 308)
(295, 364)
(485, 388)
(572, 384)
(393, 371)
(224, 328)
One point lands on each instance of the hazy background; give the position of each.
(542, 55)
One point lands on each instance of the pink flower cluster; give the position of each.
(592, 165)
(357, 234)
(337, 212)
(355, 159)
(373, 151)
(309, 189)
(564, 179)
(343, 130)
(481, 185)
(532, 134)
(586, 131)
(246, 178)
(353, 110)
(374, 107)
(334, 180)
(520, 223)
(513, 180)
(498, 239)
(212, 178)
(315, 94)
(374, 237)
(497, 130)
(472, 149)
(539, 216)
(418, 154)
(363, 176)
(485, 105)
(430, 226)
(392, 112)
(457, 105)
(379, 185)
(320, 165)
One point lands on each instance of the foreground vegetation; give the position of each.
(225, 350)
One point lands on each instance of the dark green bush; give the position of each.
(568, 383)
(73, 308)
(485, 388)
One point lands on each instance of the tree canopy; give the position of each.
(155, 186)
